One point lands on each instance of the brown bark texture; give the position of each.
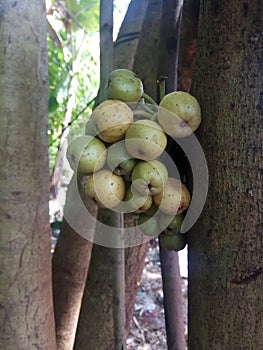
(225, 246)
(26, 308)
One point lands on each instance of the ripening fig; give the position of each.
(179, 114)
(174, 198)
(105, 188)
(86, 154)
(119, 160)
(149, 176)
(174, 242)
(171, 224)
(149, 225)
(152, 210)
(111, 119)
(124, 85)
(137, 202)
(145, 139)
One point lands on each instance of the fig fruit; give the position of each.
(174, 198)
(179, 114)
(119, 160)
(105, 188)
(86, 154)
(173, 242)
(145, 139)
(149, 225)
(151, 211)
(171, 224)
(137, 202)
(149, 176)
(112, 118)
(124, 85)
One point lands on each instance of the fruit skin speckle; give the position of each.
(145, 140)
(124, 85)
(174, 198)
(179, 114)
(114, 126)
(106, 188)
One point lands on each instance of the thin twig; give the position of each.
(73, 120)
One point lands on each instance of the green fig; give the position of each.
(86, 154)
(119, 160)
(179, 114)
(171, 224)
(137, 202)
(151, 211)
(149, 176)
(174, 198)
(149, 225)
(173, 242)
(124, 85)
(145, 139)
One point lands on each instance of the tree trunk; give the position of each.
(70, 266)
(148, 50)
(225, 246)
(129, 34)
(27, 318)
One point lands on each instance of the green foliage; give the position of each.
(86, 13)
(73, 64)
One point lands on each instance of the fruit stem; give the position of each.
(161, 83)
(148, 99)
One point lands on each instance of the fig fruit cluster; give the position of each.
(121, 156)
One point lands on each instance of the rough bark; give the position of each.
(26, 316)
(225, 247)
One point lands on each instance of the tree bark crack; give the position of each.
(248, 277)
